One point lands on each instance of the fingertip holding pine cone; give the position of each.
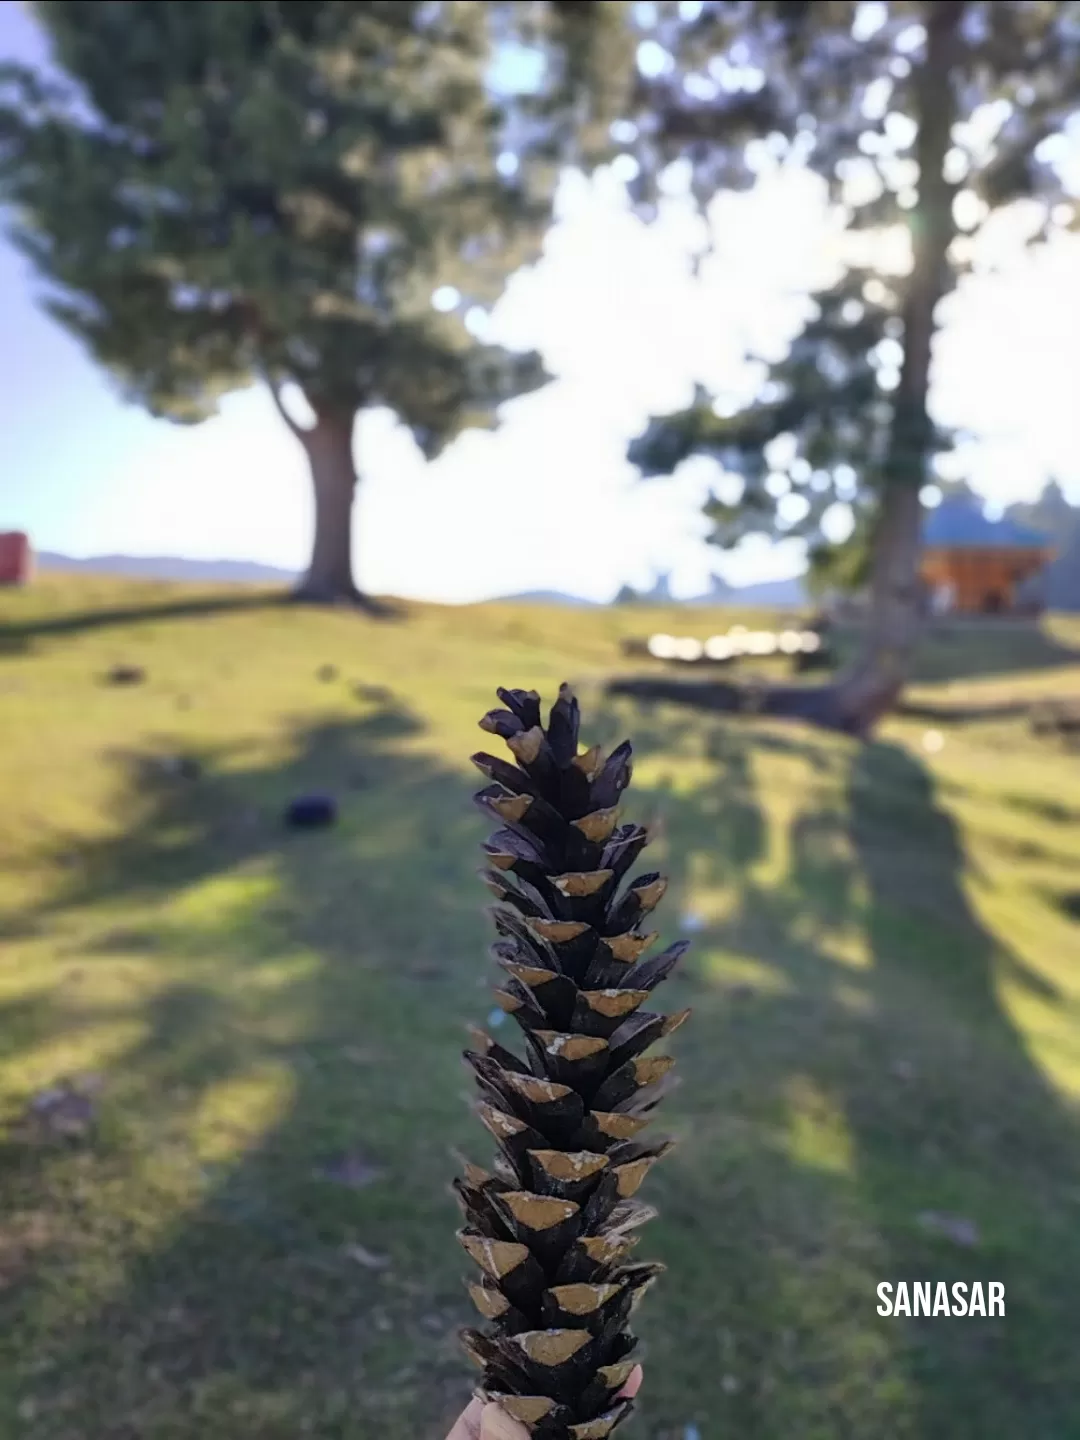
(552, 1224)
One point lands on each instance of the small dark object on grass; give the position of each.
(65, 1110)
(326, 673)
(1069, 904)
(184, 767)
(425, 972)
(311, 812)
(125, 675)
(1056, 717)
(956, 1228)
(355, 1171)
(377, 694)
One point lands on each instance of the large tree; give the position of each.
(230, 190)
(922, 116)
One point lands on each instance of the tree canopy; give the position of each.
(921, 119)
(833, 86)
(223, 191)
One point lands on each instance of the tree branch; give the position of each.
(275, 394)
(253, 324)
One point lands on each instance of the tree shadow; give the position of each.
(981, 1129)
(852, 1073)
(295, 998)
(19, 636)
(967, 650)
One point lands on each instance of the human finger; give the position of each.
(633, 1383)
(488, 1422)
(468, 1422)
(496, 1424)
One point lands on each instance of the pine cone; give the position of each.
(552, 1224)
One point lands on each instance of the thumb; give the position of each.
(496, 1424)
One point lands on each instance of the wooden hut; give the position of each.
(15, 558)
(975, 566)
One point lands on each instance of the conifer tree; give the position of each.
(923, 117)
(224, 191)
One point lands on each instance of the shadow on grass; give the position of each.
(977, 1129)
(851, 1074)
(968, 650)
(17, 637)
(297, 998)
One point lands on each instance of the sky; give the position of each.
(626, 329)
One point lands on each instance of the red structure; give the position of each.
(15, 558)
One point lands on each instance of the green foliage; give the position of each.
(843, 566)
(225, 190)
(1051, 513)
(815, 85)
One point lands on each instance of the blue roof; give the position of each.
(959, 522)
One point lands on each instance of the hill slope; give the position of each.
(254, 1240)
(167, 567)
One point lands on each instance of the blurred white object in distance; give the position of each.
(760, 642)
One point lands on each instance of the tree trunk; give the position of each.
(329, 578)
(872, 685)
(328, 445)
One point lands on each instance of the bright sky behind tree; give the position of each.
(625, 327)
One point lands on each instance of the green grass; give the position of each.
(886, 986)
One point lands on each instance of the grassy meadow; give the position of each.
(254, 1239)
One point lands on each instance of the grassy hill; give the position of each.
(255, 1241)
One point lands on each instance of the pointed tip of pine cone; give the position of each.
(525, 744)
(588, 762)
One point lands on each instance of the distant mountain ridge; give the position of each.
(780, 593)
(169, 567)
(785, 594)
(550, 597)
(775, 594)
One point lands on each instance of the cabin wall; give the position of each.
(982, 581)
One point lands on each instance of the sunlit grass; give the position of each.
(232, 1116)
(885, 981)
(818, 1134)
